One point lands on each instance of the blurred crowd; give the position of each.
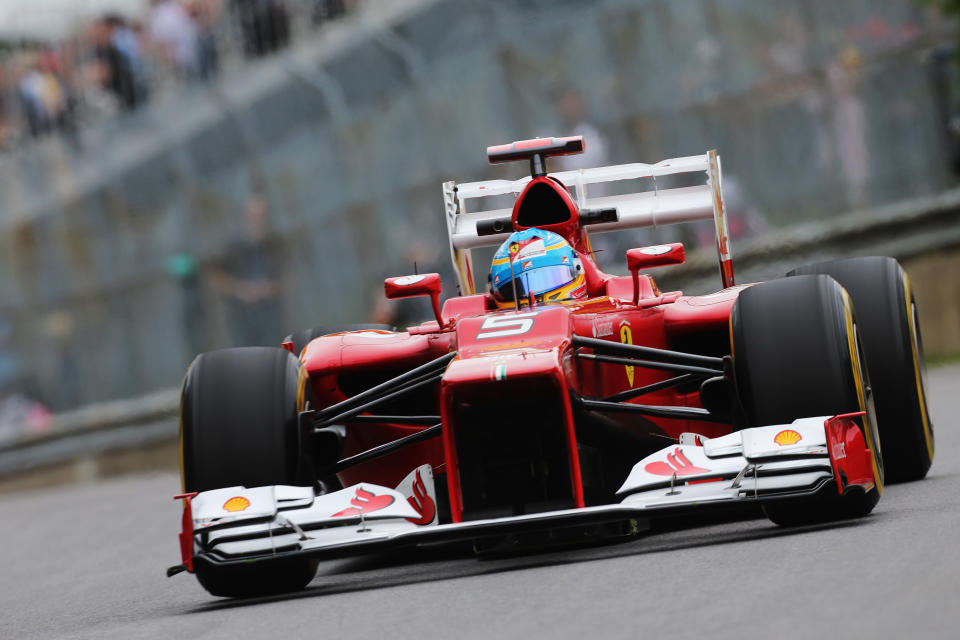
(116, 63)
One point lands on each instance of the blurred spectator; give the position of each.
(114, 62)
(250, 279)
(6, 109)
(324, 10)
(265, 25)
(206, 14)
(850, 125)
(787, 54)
(574, 121)
(946, 73)
(43, 97)
(174, 35)
(183, 269)
(120, 67)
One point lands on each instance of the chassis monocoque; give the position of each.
(555, 421)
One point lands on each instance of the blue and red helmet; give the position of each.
(539, 263)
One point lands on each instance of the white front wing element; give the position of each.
(740, 465)
(279, 517)
(766, 462)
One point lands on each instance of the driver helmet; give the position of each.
(543, 265)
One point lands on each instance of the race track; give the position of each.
(88, 562)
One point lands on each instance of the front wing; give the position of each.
(782, 463)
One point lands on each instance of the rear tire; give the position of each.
(796, 354)
(238, 426)
(300, 339)
(887, 314)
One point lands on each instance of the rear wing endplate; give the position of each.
(646, 208)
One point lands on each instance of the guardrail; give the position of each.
(133, 423)
(906, 230)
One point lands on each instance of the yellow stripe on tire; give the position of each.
(921, 396)
(869, 419)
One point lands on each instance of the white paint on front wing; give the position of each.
(803, 441)
(369, 501)
(211, 506)
(722, 491)
(330, 537)
(730, 444)
(761, 442)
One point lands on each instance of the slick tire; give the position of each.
(300, 339)
(238, 426)
(250, 581)
(890, 332)
(238, 419)
(797, 354)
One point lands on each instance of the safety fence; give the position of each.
(278, 194)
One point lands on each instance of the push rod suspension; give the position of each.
(413, 385)
(650, 364)
(389, 385)
(680, 413)
(414, 420)
(652, 353)
(389, 447)
(650, 388)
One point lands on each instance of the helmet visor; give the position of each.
(537, 281)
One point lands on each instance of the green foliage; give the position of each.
(949, 7)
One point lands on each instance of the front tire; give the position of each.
(890, 331)
(251, 581)
(796, 354)
(238, 426)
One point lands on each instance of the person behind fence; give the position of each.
(250, 280)
(174, 35)
(42, 94)
(117, 50)
(265, 25)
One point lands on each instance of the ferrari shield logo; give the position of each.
(626, 337)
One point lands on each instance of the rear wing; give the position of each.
(647, 208)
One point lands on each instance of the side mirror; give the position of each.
(660, 255)
(426, 284)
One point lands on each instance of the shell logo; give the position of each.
(787, 437)
(238, 503)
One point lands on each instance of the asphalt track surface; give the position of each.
(88, 562)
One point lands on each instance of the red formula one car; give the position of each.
(562, 404)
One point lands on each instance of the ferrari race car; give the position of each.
(523, 417)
